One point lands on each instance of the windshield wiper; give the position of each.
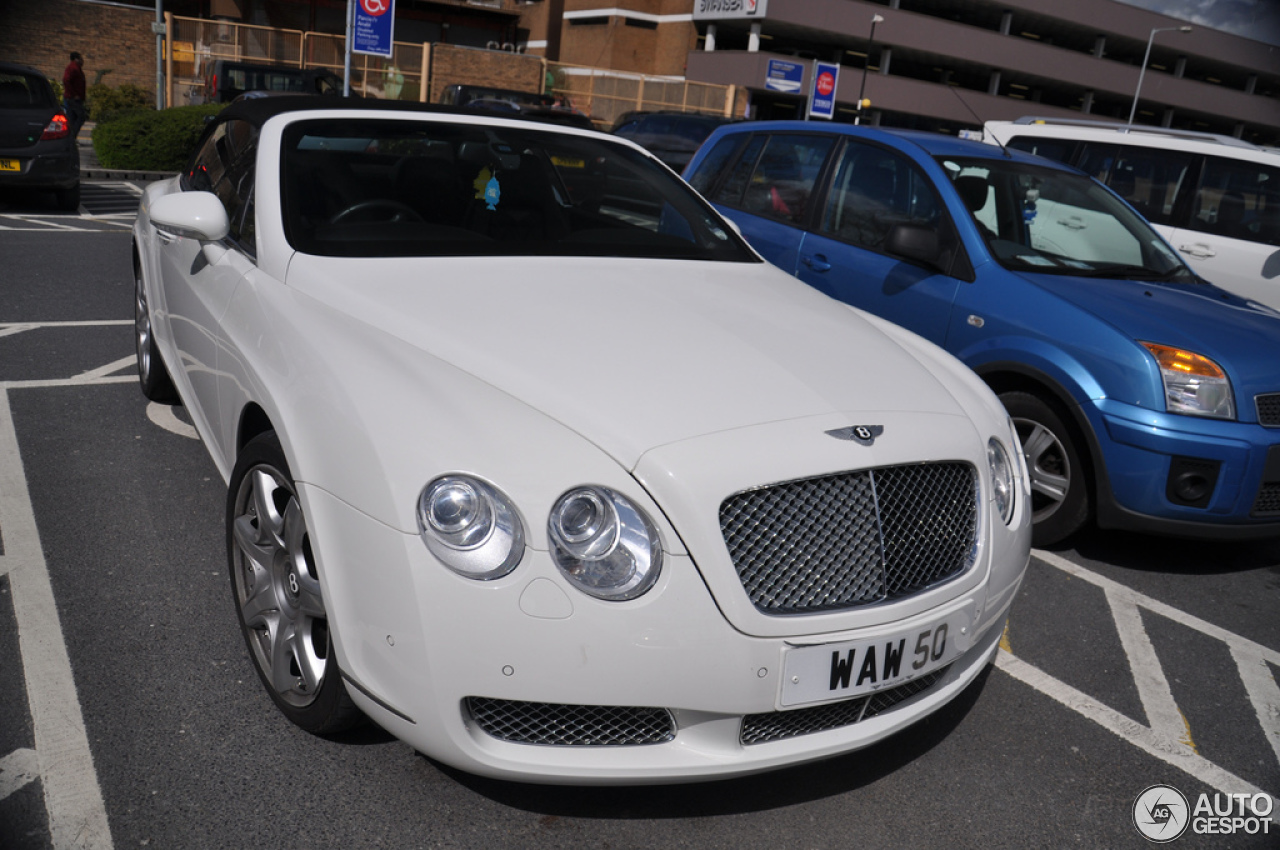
(1127, 272)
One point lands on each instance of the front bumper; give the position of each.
(1140, 449)
(418, 644)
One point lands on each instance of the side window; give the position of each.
(1150, 179)
(781, 183)
(1239, 199)
(1056, 149)
(224, 166)
(735, 182)
(717, 158)
(207, 165)
(871, 191)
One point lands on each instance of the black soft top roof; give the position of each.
(258, 111)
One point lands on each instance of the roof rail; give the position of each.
(1141, 128)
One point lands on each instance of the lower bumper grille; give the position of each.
(571, 725)
(780, 725)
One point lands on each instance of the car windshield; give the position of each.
(1047, 220)
(385, 187)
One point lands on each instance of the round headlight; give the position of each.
(470, 526)
(604, 544)
(1004, 479)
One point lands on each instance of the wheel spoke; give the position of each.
(1052, 486)
(309, 663)
(281, 654)
(265, 485)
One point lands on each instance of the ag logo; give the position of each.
(1161, 813)
(862, 434)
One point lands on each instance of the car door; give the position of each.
(199, 278)
(1232, 235)
(846, 255)
(770, 190)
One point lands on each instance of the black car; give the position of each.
(670, 136)
(37, 148)
(225, 80)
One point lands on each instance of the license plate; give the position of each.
(10, 165)
(831, 671)
(569, 161)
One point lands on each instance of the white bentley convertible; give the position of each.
(531, 460)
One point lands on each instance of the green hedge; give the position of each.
(149, 139)
(107, 103)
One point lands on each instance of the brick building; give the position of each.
(1005, 58)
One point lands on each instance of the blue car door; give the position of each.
(872, 189)
(769, 190)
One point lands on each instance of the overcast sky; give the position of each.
(1256, 19)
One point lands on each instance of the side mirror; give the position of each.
(195, 215)
(916, 242)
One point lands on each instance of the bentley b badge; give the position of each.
(863, 434)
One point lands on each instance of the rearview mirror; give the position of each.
(917, 242)
(195, 215)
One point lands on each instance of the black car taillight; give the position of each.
(56, 128)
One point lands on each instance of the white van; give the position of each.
(1215, 198)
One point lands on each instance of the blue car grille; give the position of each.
(854, 538)
(1268, 409)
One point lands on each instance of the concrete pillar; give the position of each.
(709, 44)
(1006, 23)
(1100, 46)
(1251, 84)
(1167, 119)
(993, 86)
(886, 56)
(1180, 67)
(1086, 105)
(753, 41)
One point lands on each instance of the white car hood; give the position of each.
(633, 354)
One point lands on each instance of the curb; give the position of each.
(99, 173)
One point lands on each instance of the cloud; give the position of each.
(1256, 19)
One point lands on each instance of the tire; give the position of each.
(152, 374)
(1060, 486)
(276, 587)
(68, 200)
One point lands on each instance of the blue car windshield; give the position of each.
(374, 187)
(1042, 219)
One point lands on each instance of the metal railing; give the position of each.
(193, 45)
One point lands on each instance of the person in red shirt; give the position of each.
(73, 92)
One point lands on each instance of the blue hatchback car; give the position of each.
(1145, 397)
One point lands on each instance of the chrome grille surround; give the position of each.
(1268, 406)
(853, 538)
(554, 724)
(781, 725)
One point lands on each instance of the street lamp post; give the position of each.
(871, 40)
(1151, 38)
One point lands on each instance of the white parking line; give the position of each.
(72, 797)
(1168, 738)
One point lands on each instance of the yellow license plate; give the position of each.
(10, 165)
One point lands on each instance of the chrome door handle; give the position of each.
(1199, 250)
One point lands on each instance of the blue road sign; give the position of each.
(373, 30)
(784, 76)
(822, 99)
